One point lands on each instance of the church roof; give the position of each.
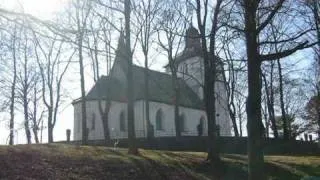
(160, 89)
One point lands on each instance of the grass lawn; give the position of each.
(59, 161)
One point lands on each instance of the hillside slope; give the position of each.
(59, 161)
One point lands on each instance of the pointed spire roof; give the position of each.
(121, 57)
(121, 49)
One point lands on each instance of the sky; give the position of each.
(43, 9)
(46, 10)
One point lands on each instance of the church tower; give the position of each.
(190, 65)
(190, 62)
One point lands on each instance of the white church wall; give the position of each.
(222, 108)
(192, 119)
(94, 122)
(191, 70)
(77, 121)
(97, 132)
(114, 120)
(139, 119)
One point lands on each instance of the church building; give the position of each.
(112, 88)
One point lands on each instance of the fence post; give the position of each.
(87, 133)
(305, 136)
(68, 132)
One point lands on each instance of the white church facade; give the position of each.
(112, 88)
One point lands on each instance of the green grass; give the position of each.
(59, 161)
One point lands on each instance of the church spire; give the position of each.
(121, 49)
(121, 56)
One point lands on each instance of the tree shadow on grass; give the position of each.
(306, 170)
(150, 168)
(279, 171)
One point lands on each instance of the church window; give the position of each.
(93, 121)
(182, 123)
(78, 126)
(200, 92)
(201, 121)
(122, 121)
(186, 68)
(159, 120)
(200, 126)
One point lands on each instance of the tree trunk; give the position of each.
(150, 130)
(132, 147)
(318, 112)
(230, 87)
(270, 107)
(50, 130)
(210, 99)
(105, 118)
(13, 90)
(106, 127)
(240, 120)
(210, 75)
(35, 133)
(82, 81)
(83, 106)
(315, 10)
(254, 124)
(176, 101)
(234, 122)
(286, 134)
(266, 119)
(50, 133)
(26, 119)
(25, 103)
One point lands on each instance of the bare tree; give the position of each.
(26, 78)
(82, 9)
(52, 72)
(145, 13)
(34, 115)
(14, 46)
(269, 97)
(132, 149)
(253, 28)
(172, 26)
(230, 84)
(210, 73)
(96, 56)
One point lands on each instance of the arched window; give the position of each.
(201, 121)
(93, 122)
(200, 126)
(159, 120)
(182, 122)
(186, 68)
(122, 117)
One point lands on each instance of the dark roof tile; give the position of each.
(160, 89)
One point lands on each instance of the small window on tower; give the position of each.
(93, 125)
(122, 122)
(159, 120)
(186, 68)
